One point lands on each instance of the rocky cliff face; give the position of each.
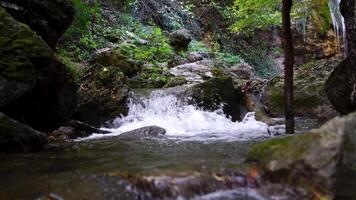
(341, 86)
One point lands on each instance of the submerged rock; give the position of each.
(35, 87)
(17, 137)
(48, 18)
(144, 133)
(322, 160)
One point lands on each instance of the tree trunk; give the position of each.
(288, 66)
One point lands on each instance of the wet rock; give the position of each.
(144, 133)
(322, 160)
(114, 58)
(48, 18)
(17, 137)
(76, 129)
(180, 39)
(252, 103)
(216, 93)
(310, 99)
(32, 79)
(102, 96)
(192, 72)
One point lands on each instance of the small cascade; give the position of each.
(338, 23)
(184, 121)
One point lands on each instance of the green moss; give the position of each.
(284, 150)
(22, 52)
(72, 67)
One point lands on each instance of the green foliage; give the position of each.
(229, 59)
(255, 14)
(83, 15)
(249, 15)
(197, 46)
(154, 47)
(154, 77)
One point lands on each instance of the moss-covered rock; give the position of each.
(113, 57)
(35, 87)
(217, 92)
(17, 137)
(48, 18)
(21, 52)
(102, 96)
(176, 81)
(322, 161)
(310, 99)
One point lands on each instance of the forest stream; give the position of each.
(105, 166)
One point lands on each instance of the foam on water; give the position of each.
(185, 121)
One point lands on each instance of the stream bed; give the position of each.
(199, 147)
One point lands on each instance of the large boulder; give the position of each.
(102, 96)
(322, 160)
(17, 137)
(310, 99)
(180, 39)
(35, 87)
(48, 18)
(215, 94)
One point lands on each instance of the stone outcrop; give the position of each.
(35, 88)
(48, 18)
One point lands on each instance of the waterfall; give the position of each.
(184, 121)
(338, 23)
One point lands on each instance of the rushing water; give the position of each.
(338, 22)
(199, 142)
(184, 121)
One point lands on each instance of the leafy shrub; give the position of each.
(155, 49)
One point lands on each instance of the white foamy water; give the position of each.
(185, 121)
(338, 22)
